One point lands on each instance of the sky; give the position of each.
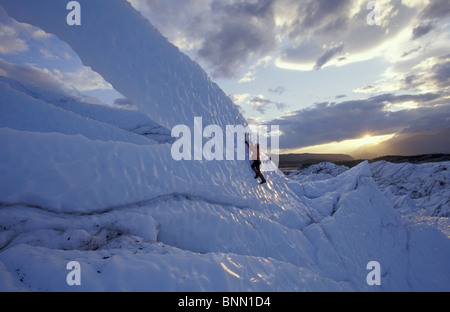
(340, 76)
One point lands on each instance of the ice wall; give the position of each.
(120, 44)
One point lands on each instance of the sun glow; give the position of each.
(346, 146)
(369, 139)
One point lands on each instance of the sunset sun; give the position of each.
(369, 139)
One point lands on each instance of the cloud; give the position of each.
(239, 99)
(125, 103)
(334, 33)
(260, 104)
(23, 39)
(422, 30)
(441, 72)
(244, 31)
(228, 35)
(319, 17)
(253, 70)
(278, 90)
(84, 79)
(429, 75)
(328, 55)
(256, 105)
(436, 9)
(333, 122)
(418, 143)
(9, 42)
(14, 36)
(180, 21)
(38, 77)
(225, 35)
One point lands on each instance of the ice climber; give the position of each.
(255, 156)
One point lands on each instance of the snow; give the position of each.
(423, 186)
(98, 185)
(419, 192)
(51, 114)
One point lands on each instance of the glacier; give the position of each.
(98, 185)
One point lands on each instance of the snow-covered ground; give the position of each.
(98, 185)
(418, 192)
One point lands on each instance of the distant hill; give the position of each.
(417, 159)
(294, 161)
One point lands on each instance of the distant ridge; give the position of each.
(294, 161)
(416, 159)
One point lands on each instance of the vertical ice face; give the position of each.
(120, 44)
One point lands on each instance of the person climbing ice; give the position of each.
(254, 154)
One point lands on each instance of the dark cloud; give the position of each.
(328, 55)
(436, 9)
(328, 122)
(278, 90)
(242, 31)
(435, 77)
(326, 31)
(227, 35)
(32, 75)
(419, 143)
(442, 73)
(123, 102)
(405, 54)
(422, 30)
(313, 33)
(231, 34)
(261, 105)
(431, 74)
(321, 16)
(230, 48)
